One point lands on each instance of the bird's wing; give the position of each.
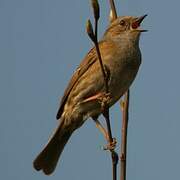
(89, 59)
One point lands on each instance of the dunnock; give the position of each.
(121, 56)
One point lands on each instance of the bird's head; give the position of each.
(127, 26)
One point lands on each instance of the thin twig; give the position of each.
(114, 155)
(113, 9)
(94, 38)
(102, 66)
(124, 130)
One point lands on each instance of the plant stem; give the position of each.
(114, 155)
(113, 8)
(124, 130)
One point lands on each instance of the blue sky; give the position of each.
(41, 44)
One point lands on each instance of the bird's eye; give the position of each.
(122, 22)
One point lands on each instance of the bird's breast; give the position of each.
(123, 69)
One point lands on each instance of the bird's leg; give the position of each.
(105, 111)
(101, 97)
(110, 145)
(104, 100)
(112, 141)
(102, 129)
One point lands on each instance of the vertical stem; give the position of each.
(113, 8)
(124, 130)
(115, 159)
(102, 69)
(114, 155)
(106, 115)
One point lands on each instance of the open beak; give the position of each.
(137, 22)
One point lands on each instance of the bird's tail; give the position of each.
(48, 157)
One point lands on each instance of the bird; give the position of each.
(121, 57)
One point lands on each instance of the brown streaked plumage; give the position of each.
(121, 56)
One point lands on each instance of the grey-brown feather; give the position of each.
(89, 59)
(48, 157)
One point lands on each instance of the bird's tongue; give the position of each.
(138, 21)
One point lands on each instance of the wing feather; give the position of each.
(89, 59)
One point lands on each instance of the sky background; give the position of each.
(41, 44)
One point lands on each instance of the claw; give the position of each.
(104, 100)
(111, 146)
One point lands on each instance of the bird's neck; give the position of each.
(126, 39)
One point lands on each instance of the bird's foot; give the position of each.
(104, 100)
(111, 145)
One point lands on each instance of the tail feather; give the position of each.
(48, 158)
